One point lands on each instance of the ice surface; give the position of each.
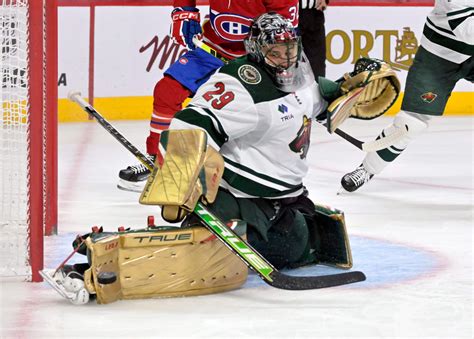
(410, 229)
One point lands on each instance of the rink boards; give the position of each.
(115, 54)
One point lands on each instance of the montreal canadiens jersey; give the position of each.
(449, 30)
(229, 21)
(262, 133)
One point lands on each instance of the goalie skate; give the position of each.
(69, 285)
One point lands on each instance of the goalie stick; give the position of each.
(227, 236)
(368, 146)
(374, 145)
(199, 43)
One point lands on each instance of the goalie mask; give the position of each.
(274, 43)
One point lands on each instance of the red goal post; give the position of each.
(28, 134)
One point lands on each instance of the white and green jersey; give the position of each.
(449, 30)
(262, 133)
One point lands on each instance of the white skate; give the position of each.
(68, 285)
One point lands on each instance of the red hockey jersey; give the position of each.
(229, 21)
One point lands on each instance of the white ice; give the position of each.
(410, 229)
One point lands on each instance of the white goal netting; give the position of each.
(14, 252)
(22, 137)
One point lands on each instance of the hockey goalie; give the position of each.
(240, 149)
(163, 261)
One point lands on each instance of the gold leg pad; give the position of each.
(149, 264)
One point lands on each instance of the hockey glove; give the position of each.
(185, 25)
(366, 93)
(381, 87)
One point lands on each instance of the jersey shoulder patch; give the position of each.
(254, 78)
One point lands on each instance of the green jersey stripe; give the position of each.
(455, 22)
(257, 174)
(449, 43)
(219, 125)
(447, 31)
(192, 117)
(469, 9)
(253, 188)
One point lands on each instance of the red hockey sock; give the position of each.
(152, 143)
(168, 97)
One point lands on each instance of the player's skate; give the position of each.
(68, 283)
(133, 178)
(355, 179)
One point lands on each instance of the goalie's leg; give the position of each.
(375, 162)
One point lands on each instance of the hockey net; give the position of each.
(27, 135)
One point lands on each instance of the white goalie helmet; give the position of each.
(274, 43)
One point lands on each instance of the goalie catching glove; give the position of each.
(366, 93)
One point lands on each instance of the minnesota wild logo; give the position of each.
(429, 97)
(301, 143)
(249, 74)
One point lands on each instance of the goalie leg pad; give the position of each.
(328, 237)
(162, 263)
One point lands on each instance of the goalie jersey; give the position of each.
(262, 133)
(449, 30)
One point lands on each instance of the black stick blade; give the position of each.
(288, 282)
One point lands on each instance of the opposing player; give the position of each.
(444, 57)
(225, 30)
